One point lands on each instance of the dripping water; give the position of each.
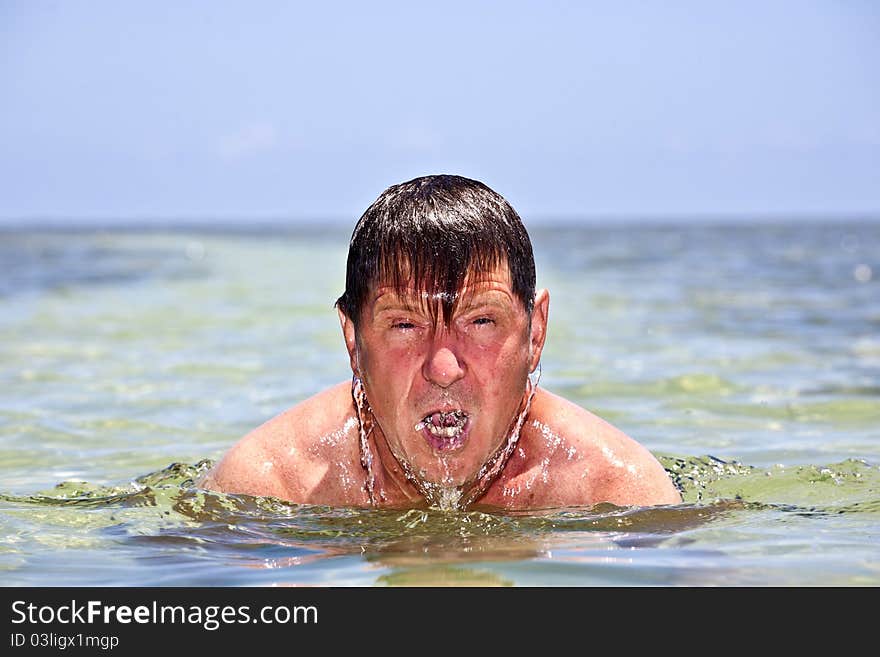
(360, 405)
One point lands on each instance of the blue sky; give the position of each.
(190, 110)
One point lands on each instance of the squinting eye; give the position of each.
(403, 325)
(483, 320)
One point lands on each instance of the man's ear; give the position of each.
(538, 331)
(348, 333)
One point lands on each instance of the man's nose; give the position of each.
(443, 366)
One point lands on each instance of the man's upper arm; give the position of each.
(640, 480)
(247, 467)
(631, 476)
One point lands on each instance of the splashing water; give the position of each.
(182, 534)
(850, 485)
(443, 497)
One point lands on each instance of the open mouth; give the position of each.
(445, 430)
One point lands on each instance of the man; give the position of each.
(444, 332)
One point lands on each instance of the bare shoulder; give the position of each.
(306, 454)
(570, 456)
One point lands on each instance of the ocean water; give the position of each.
(746, 357)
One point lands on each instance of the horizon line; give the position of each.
(340, 220)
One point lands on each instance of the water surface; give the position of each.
(747, 358)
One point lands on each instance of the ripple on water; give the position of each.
(853, 412)
(687, 385)
(163, 519)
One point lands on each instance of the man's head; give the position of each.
(432, 232)
(442, 322)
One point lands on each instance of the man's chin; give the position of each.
(448, 469)
(445, 460)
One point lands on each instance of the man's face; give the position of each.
(445, 396)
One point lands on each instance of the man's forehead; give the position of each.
(492, 283)
(412, 298)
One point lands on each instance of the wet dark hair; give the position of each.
(430, 233)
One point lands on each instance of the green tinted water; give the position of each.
(129, 360)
